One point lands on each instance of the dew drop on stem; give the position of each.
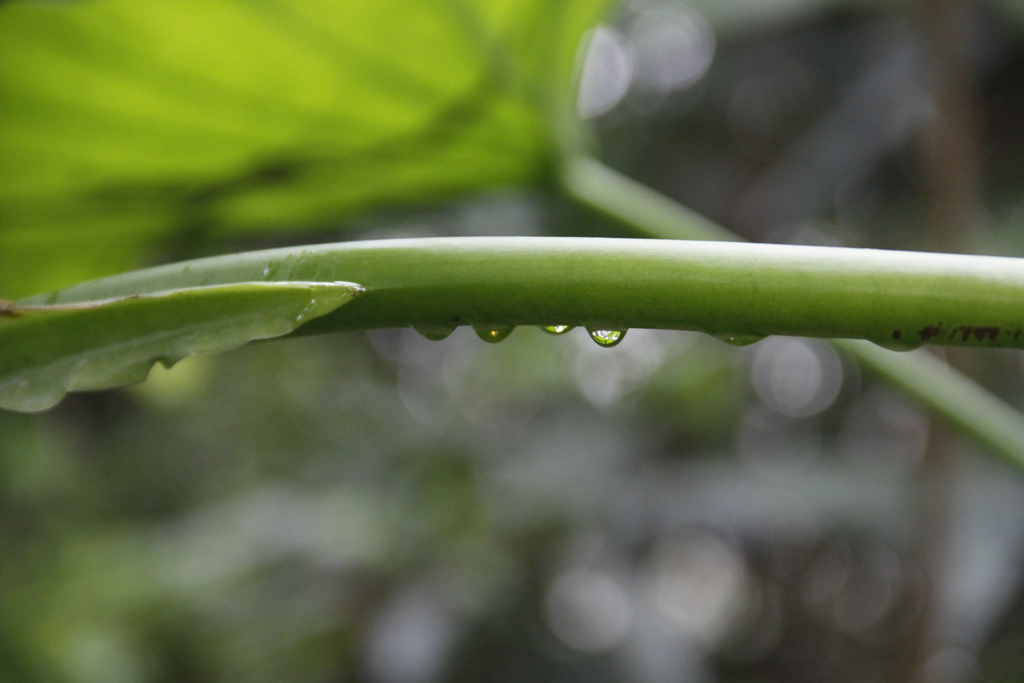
(607, 338)
(739, 339)
(434, 332)
(492, 334)
(898, 344)
(557, 329)
(899, 341)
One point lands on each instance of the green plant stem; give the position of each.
(945, 392)
(899, 299)
(742, 291)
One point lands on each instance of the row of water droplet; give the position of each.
(493, 334)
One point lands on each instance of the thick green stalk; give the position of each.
(945, 392)
(898, 299)
(733, 290)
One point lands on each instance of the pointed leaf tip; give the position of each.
(46, 351)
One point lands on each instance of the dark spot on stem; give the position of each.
(929, 332)
(979, 333)
(896, 334)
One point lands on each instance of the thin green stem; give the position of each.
(948, 393)
(647, 212)
(945, 392)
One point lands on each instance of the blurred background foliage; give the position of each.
(377, 507)
(133, 134)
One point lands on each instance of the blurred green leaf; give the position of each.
(127, 126)
(50, 350)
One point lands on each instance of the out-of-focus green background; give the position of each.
(377, 507)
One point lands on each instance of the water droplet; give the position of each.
(308, 309)
(898, 341)
(739, 339)
(607, 338)
(557, 329)
(492, 334)
(904, 344)
(434, 332)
